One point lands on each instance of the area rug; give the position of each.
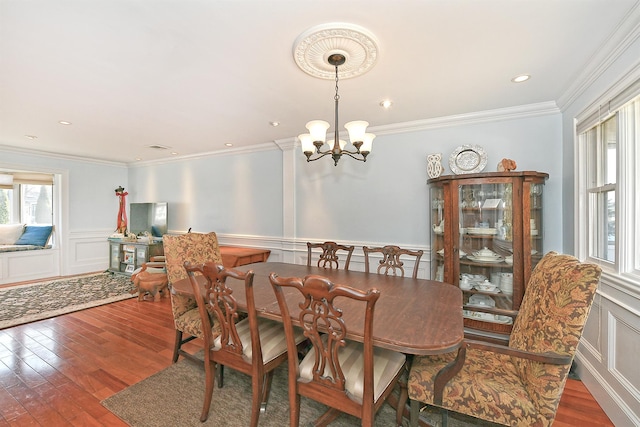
(173, 397)
(36, 301)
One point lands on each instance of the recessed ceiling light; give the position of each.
(386, 104)
(228, 144)
(521, 78)
(63, 122)
(138, 159)
(31, 136)
(174, 153)
(274, 124)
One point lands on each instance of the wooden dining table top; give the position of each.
(413, 316)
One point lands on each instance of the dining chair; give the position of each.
(254, 346)
(194, 248)
(391, 263)
(519, 384)
(329, 256)
(347, 376)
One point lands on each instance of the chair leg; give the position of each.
(402, 402)
(220, 376)
(265, 390)
(176, 348)
(209, 372)
(257, 390)
(294, 408)
(445, 417)
(415, 413)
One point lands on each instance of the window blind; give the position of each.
(32, 178)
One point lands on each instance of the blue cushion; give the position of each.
(36, 235)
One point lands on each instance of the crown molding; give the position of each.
(510, 113)
(226, 152)
(50, 155)
(488, 116)
(609, 51)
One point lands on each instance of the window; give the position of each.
(26, 198)
(601, 143)
(609, 156)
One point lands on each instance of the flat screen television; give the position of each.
(149, 217)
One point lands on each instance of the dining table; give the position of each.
(412, 316)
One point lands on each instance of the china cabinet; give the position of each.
(487, 236)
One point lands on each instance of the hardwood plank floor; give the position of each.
(56, 371)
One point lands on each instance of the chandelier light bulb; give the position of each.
(342, 143)
(367, 142)
(307, 142)
(356, 130)
(318, 130)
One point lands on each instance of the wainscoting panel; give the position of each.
(29, 265)
(87, 252)
(295, 251)
(623, 359)
(607, 358)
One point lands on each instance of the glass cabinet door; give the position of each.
(535, 223)
(485, 213)
(437, 227)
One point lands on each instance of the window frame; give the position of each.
(626, 263)
(59, 195)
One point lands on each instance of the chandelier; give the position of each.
(319, 52)
(317, 135)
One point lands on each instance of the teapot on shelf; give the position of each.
(438, 228)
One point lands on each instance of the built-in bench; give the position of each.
(21, 237)
(25, 253)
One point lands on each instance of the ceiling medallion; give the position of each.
(313, 48)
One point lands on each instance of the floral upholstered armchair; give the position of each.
(519, 384)
(196, 248)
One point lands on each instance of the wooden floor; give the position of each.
(55, 372)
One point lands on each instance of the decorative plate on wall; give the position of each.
(468, 159)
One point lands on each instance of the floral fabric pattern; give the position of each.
(195, 248)
(511, 390)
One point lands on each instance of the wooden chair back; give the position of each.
(329, 370)
(391, 262)
(329, 256)
(238, 345)
(218, 299)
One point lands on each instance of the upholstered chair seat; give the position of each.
(272, 338)
(386, 364)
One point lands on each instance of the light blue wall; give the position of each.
(386, 199)
(90, 202)
(226, 193)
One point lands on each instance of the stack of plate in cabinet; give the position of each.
(506, 283)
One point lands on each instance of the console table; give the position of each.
(126, 256)
(235, 256)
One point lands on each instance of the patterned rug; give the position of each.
(173, 397)
(36, 301)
